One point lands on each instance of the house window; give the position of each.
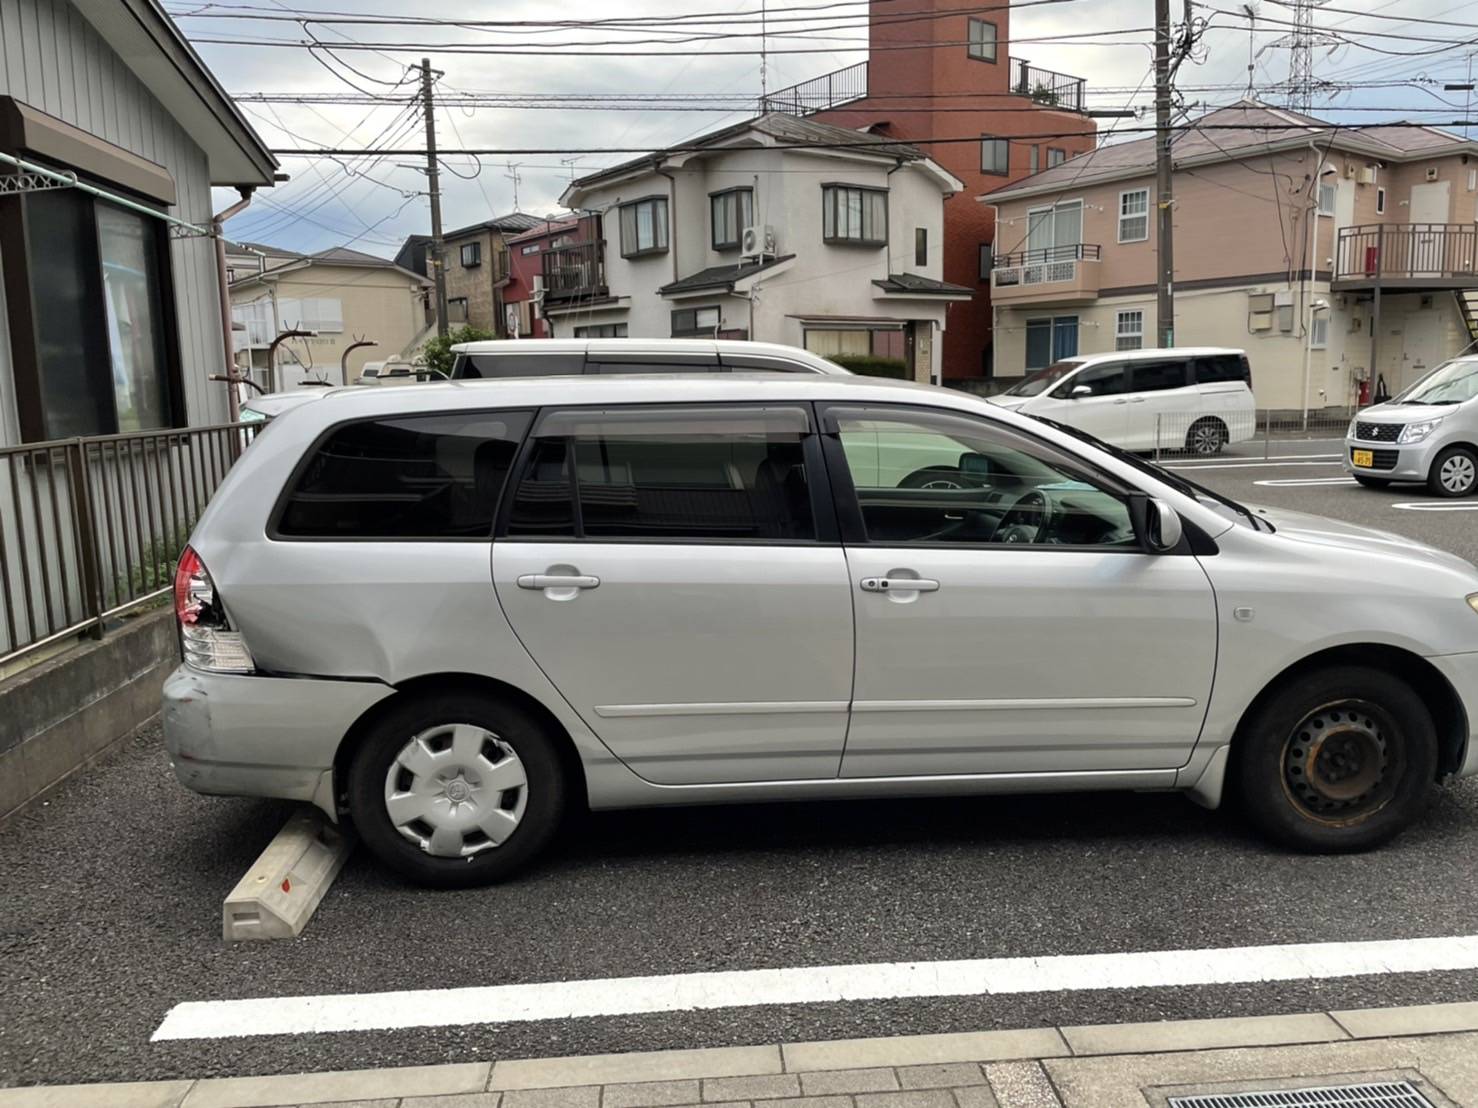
(1134, 215)
(324, 314)
(695, 323)
(853, 214)
(982, 40)
(1380, 201)
(1055, 234)
(456, 309)
(471, 255)
(1055, 156)
(601, 331)
(995, 155)
(730, 212)
(531, 248)
(1319, 331)
(987, 260)
(1326, 199)
(1050, 340)
(644, 227)
(1035, 153)
(94, 348)
(921, 246)
(1129, 330)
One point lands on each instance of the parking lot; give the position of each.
(111, 893)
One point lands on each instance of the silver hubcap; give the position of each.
(456, 790)
(1205, 439)
(1457, 473)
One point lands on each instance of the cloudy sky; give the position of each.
(374, 204)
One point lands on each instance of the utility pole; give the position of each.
(433, 178)
(1164, 200)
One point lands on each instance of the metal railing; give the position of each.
(573, 271)
(830, 90)
(1047, 87)
(1407, 251)
(1262, 434)
(90, 528)
(1076, 251)
(1055, 265)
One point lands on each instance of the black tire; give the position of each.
(1464, 460)
(1373, 482)
(544, 793)
(937, 477)
(1206, 437)
(1336, 761)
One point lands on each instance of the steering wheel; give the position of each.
(1028, 519)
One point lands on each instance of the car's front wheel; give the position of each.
(1454, 472)
(1339, 760)
(456, 789)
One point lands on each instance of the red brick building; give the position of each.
(948, 75)
(548, 246)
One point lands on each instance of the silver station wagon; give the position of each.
(454, 612)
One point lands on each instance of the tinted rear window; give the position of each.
(517, 365)
(423, 477)
(1216, 368)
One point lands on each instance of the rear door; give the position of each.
(673, 572)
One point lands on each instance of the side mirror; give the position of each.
(1080, 391)
(1156, 524)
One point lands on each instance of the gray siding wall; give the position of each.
(52, 59)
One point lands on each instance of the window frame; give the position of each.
(1056, 155)
(987, 261)
(818, 485)
(1316, 340)
(284, 494)
(1004, 144)
(476, 247)
(921, 246)
(1380, 200)
(1322, 190)
(976, 51)
(1120, 333)
(666, 231)
(721, 195)
(1145, 215)
(828, 190)
(848, 507)
(695, 331)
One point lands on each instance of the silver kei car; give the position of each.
(454, 612)
(1427, 433)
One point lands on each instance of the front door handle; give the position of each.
(538, 581)
(899, 584)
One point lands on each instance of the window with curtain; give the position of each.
(854, 214)
(730, 212)
(644, 227)
(1053, 233)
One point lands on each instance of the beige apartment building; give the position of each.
(1336, 258)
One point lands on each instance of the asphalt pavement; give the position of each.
(110, 895)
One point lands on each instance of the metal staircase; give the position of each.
(1467, 306)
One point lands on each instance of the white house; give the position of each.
(778, 230)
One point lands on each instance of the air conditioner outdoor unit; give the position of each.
(1367, 175)
(757, 242)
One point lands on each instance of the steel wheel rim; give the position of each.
(456, 790)
(1340, 765)
(1457, 473)
(1205, 439)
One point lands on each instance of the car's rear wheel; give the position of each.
(457, 789)
(1206, 436)
(1454, 472)
(1373, 482)
(1339, 760)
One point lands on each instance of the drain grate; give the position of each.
(1394, 1094)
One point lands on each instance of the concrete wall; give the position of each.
(53, 59)
(57, 716)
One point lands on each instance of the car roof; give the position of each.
(1155, 353)
(628, 347)
(275, 403)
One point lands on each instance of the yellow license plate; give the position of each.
(1363, 458)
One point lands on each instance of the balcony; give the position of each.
(575, 272)
(1055, 275)
(830, 90)
(1406, 256)
(1046, 87)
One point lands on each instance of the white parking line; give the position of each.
(1247, 465)
(1438, 506)
(1241, 459)
(304, 1015)
(1304, 482)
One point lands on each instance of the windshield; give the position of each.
(1042, 380)
(1452, 383)
(1237, 513)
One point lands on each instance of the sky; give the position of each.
(373, 204)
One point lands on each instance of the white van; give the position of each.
(1194, 398)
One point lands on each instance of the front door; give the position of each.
(1103, 411)
(664, 567)
(1007, 621)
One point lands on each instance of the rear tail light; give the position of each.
(207, 638)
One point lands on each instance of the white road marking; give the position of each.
(1438, 506)
(1304, 482)
(1248, 465)
(1242, 459)
(304, 1015)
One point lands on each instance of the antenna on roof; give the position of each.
(764, 69)
(513, 176)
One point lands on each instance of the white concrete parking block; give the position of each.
(278, 895)
(219, 1019)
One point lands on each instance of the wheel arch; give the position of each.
(463, 682)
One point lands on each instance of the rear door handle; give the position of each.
(898, 584)
(537, 581)
(1121, 401)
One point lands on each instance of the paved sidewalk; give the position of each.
(1434, 1047)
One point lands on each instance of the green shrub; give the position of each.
(870, 365)
(438, 351)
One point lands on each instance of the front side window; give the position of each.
(644, 227)
(418, 478)
(718, 474)
(1110, 379)
(938, 479)
(995, 155)
(982, 40)
(695, 322)
(853, 214)
(730, 212)
(1129, 330)
(1134, 215)
(471, 254)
